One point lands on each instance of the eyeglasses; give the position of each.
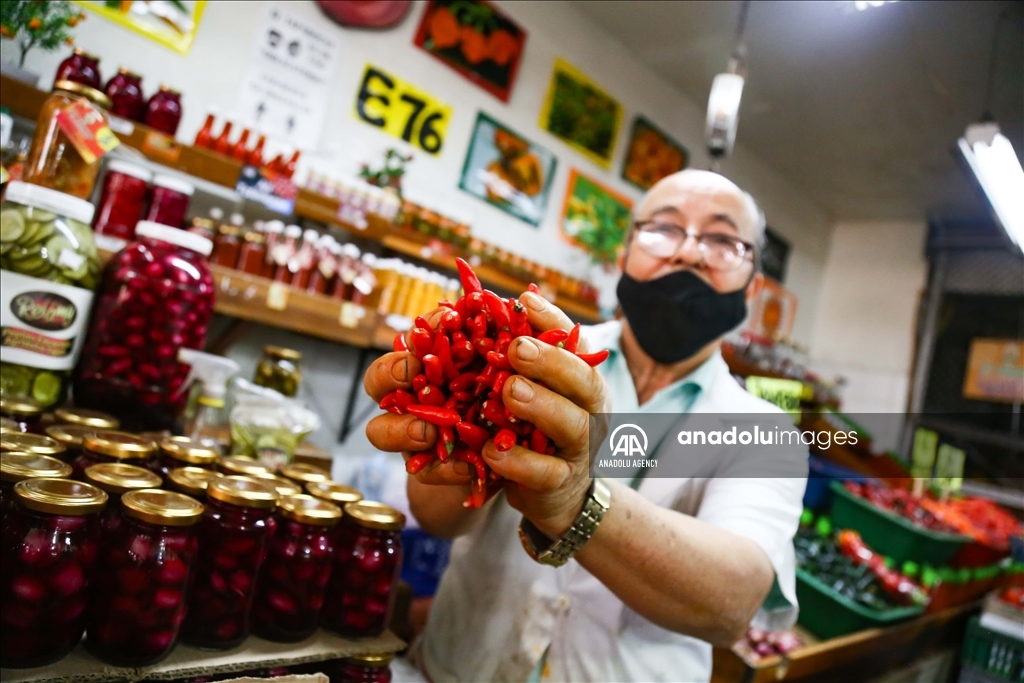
(718, 251)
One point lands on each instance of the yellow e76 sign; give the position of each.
(402, 110)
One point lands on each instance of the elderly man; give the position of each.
(566, 577)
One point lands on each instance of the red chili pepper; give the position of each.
(474, 303)
(430, 396)
(538, 441)
(477, 326)
(435, 415)
(460, 307)
(498, 361)
(451, 321)
(399, 344)
(553, 337)
(397, 401)
(484, 345)
(509, 415)
(432, 368)
(594, 359)
(419, 381)
(499, 381)
(486, 375)
(444, 303)
(532, 287)
(573, 340)
(520, 326)
(475, 437)
(442, 348)
(422, 341)
(504, 440)
(416, 463)
(503, 341)
(463, 382)
(458, 336)
(422, 323)
(470, 282)
(451, 402)
(462, 353)
(496, 309)
(447, 440)
(463, 396)
(493, 411)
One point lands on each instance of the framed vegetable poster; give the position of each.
(651, 155)
(594, 217)
(172, 23)
(505, 169)
(476, 39)
(582, 114)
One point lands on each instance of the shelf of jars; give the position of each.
(186, 662)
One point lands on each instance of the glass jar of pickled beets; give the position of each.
(233, 536)
(303, 474)
(125, 93)
(36, 444)
(71, 438)
(291, 587)
(49, 546)
(71, 415)
(15, 467)
(191, 480)
(156, 298)
(116, 479)
(163, 111)
(363, 669)
(141, 588)
(367, 559)
(169, 200)
(284, 487)
(180, 451)
(112, 446)
(26, 412)
(339, 494)
(80, 67)
(243, 465)
(121, 204)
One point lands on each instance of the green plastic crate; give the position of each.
(827, 614)
(891, 534)
(993, 653)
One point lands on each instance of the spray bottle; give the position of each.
(214, 372)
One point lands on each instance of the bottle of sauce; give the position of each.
(347, 271)
(325, 266)
(125, 93)
(301, 264)
(255, 157)
(226, 246)
(80, 67)
(284, 251)
(204, 138)
(365, 281)
(293, 162)
(163, 112)
(253, 253)
(223, 144)
(241, 149)
(274, 233)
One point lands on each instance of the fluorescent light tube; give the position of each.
(990, 155)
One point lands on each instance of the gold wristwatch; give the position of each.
(556, 553)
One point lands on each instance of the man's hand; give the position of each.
(549, 489)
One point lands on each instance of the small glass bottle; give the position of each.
(72, 415)
(279, 370)
(80, 67)
(227, 246)
(283, 252)
(325, 266)
(125, 93)
(255, 156)
(48, 553)
(180, 451)
(191, 480)
(204, 138)
(290, 591)
(300, 266)
(71, 437)
(240, 150)
(122, 203)
(114, 447)
(222, 145)
(116, 479)
(233, 536)
(242, 465)
(37, 444)
(303, 474)
(163, 111)
(15, 467)
(367, 560)
(275, 232)
(336, 493)
(363, 669)
(169, 201)
(141, 587)
(253, 253)
(25, 411)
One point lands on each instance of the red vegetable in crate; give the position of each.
(894, 583)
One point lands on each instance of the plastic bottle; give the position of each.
(213, 372)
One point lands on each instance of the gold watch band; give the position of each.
(556, 553)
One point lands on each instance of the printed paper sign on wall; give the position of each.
(582, 114)
(285, 90)
(172, 24)
(594, 217)
(401, 109)
(995, 370)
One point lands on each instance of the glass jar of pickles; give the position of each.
(15, 467)
(71, 438)
(304, 474)
(233, 537)
(70, 415)
(50, 541)
(50, 268)
(116, 479)
(338, 494)
(293, 580)
(279, 370)
(367, 559)
(36, 444)
(180, 451)
(24, 411)
(111, 446)
(141, 588)
(55, 160)
(363, 669)
(191, 480)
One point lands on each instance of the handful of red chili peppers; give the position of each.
(465, 366)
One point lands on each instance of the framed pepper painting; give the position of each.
(505, 169)
(651, 155)
(579, 112)
(476, 39)
(595, 218)
(171, 24)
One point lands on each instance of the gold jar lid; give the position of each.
(379, 660)
(8, 425)
(36, 444)
(120, 445)
(374, 515)
(91, 94)
(243, 491)
(60, 496)
(281, 352)
(127, 72)
(284, 487)
(85, 417)
(20, 466)
(70, 436)
(165, 508)
(255, 237)
(21, 406)
(157, 436)
(166, 88)
(242, 464)
(188, 450)
(192, 480)
(334, 492)
(116, 477)
(303, 473)
(309, 510)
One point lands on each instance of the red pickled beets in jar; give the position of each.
(169, 200)
(363, 669)
(181, 451)
(140, 592)
(121, 203)
(117, 479)
(156, 298)
(367, 559)
(15, 467)
(233, 537)
(48, 550)
(113, 447)
(291, 588)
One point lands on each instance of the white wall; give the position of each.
(864, 327)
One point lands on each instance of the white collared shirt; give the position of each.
(497, 611)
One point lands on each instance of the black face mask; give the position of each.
(677, 315)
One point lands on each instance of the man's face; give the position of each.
(701, 205)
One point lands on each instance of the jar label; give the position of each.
(30, 307)
(87, 131)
